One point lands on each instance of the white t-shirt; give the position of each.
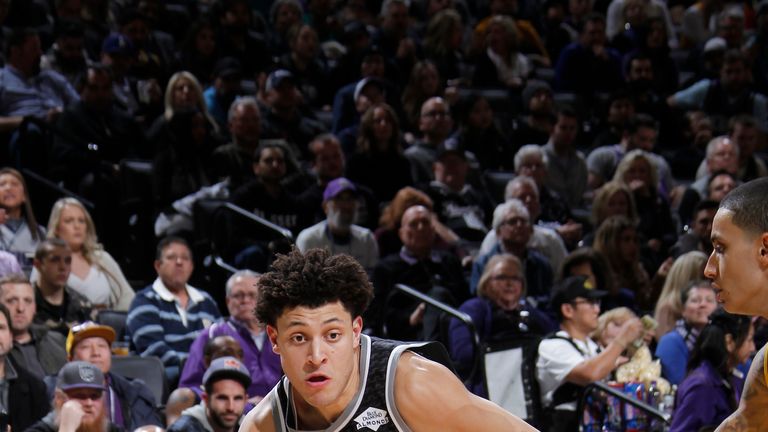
(95, 287)
(557, 358)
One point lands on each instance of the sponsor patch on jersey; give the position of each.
(371, 418)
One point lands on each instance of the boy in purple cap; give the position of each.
(337, 233)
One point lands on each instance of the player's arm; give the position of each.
(259, 419)
(430, 397)
(751, 415)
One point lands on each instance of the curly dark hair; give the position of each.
(312, 279)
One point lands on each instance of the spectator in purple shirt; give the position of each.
(712, 389)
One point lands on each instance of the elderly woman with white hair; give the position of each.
(512, 224)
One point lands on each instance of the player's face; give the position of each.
(736, 266)
(318, 350)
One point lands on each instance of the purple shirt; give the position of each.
(264, 364)
(703, 399)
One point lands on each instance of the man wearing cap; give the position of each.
(78, 403)
(569, 359)
(59, 307)
(227, 80)
(457, 204)
(22, 395)
(283, 119)
(128, 403)
(535, 123)
(119, 54)
(337, 233)
(40, 350)
(225, 383)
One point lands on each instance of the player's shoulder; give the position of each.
(259, 419)
(419, 379)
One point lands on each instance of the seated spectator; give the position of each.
(723, 153)
(249, 336)
(378, 161)
(742, 129)
(594, 266)
(234, 37)
(443, 44)
(387, 235)
(483, 135)
(305, 62)
(154, 48)
(611, 199)
(674, 348)
(131, 403)
(500, 312)
(67, 55)
(99, 135)
(199, 50)
(570, 359)
(639, 173)
(617, 240)
(501, 65)
(710, 188)
(28, 91)
(686, 269)
(223, 401)
(418, 265)
(566, 171)
(79, 402)
(512, 223)
(459, 205)
(95, 274)
(699, 23)
(183, 92)
(698, 230)
(615, 17)
(227, 79)
(544, 239)
(38, 349)
(609, 325)
(588, 65)
(535, 122)
(435, 125)
(712, 389)
(424, 82)
(235, 160)
(19, 233)
(282, 117)
(727, 96)
(337, 233)
(166, 317)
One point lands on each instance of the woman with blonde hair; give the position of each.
(669, 308)
(500, 312)
(95, 274)
(183, 92)
(19, 233)
(613, 199)
(502, 65)
(443, 42)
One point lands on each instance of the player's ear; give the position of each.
(357, 329)
(763, 256)
(730, 344)
(272, 335)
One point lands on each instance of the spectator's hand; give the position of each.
(663, 270)
(52, 115)
(570, 232)
(417, 316)
(70, 416)
(406, 48)
(630, 331)
(654, 245)
(636, 185)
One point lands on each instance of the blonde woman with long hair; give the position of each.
(686, 268)
(95, 274)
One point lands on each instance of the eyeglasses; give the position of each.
(516, 221)
(591, 302)
(436, 114)
(516, 280)
(244, 296)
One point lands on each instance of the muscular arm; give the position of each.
(751, 416)
(421, 386)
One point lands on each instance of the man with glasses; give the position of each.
(569, 359)
(78, 402)
(263, 365)
(435, 125)
(512, 223)
(166, 317)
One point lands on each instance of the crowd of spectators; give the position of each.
(531, 163)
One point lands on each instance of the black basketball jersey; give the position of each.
(373, 406)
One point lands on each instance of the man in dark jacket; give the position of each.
(130, 403)
(79, 402)
(40, 351)
(23, 397)
(225, 383)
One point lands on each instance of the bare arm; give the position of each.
(8, 124)
(422, 386)
(601, 365)
(751, 416)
